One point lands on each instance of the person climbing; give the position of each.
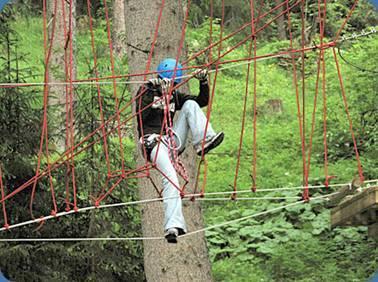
(152, 121)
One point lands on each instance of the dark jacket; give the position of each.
(152, 114)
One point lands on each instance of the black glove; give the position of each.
(165, 84)
(154, 81)
(201, 74)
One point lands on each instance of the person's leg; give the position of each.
(192, 117)
(173, 216)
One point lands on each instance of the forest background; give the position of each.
(295, 244)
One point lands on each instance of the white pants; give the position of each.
(190, 118)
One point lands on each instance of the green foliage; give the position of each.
(19, 119)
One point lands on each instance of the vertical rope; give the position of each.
(195, 55)
(359, 166)
(322, 16)
(211, 101)
(71, 115)
(313, 121)
(252, 44)
(254, 160)
(112, 64)
(99, 98)
(210, 61)
(148, 65)
(167, 121)
(295, 83)
(6, 225)
(66, 90)
(345, 21)
(43, 138)
(303, 59)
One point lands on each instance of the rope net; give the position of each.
(58, 173)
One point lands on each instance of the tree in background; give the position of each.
(119, 27)
(61, 67)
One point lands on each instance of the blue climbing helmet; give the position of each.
(166, 69)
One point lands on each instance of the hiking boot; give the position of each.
(171, 235)
(210, 144)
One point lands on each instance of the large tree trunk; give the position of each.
(188, 260)
(119, 27)
(64, 33)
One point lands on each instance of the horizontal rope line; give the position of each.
(79, 239)
(253, 215)
(373, 30)
(247, 198)
(160, 238)
(344, 38)
(60, 214)
(249, 61)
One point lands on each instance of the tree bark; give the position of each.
(61, 42)
(119, 27)
(188, 260)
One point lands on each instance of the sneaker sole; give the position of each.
(212, 145)
(171, 238)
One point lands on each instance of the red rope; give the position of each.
(95, 69)
(6, 225)
(211, 100)
(177, 163)
(66, 70)
(64, 157)
(359, 166)
(44, 135)
(324, 119)
(71, 93)
(167, 121)
(225, 62)
(252, 44)
(234, 33)
(211, 31)
(148, 65)
(322, 17)
(313, 121)
(295, 82)
(346, 20)
(254, 161)
(229, 50)
(98, 201)
(303, 59)
(210, 59)
(110, 43)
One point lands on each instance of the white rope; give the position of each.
(79, 239)
(373, 30)
(60, 214)
(344, 38)
(246, 198)
(254, 215)
(160, 238)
